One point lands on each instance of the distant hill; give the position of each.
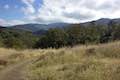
(38, 27)
(40, 32)
(103, 22)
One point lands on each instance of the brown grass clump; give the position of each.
(3, 62)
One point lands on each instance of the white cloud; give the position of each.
(70, 11)
(2, 22)
(10, 22)
(6, 6)
(15, 22)
(75, 11)
(28, 1)
(29, 8)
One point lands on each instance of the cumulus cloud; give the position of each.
(29, 8)
(69, 11)
(75, 11)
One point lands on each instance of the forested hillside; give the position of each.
(56, 37)
(77, 34)
(18, 39)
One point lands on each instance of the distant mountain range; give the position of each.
(41, 28)
(38, 27)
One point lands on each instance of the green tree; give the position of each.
(54, 38)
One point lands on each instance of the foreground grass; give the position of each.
(9, 57)
(96, 62)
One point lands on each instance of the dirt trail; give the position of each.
(14, 72)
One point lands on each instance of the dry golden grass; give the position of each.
(92, 62)
(12, 56)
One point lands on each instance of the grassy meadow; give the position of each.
(10, 57)
(93, 62)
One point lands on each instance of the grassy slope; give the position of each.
(9, 57)
(97, 62)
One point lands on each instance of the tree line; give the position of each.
(75, 34)
(79, 34)
(18, 39)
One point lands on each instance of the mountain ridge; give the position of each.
(35, 28)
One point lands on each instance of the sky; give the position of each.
(14, 12)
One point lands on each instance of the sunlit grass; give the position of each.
(93, 62)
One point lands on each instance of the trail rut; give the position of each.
(14, 72)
